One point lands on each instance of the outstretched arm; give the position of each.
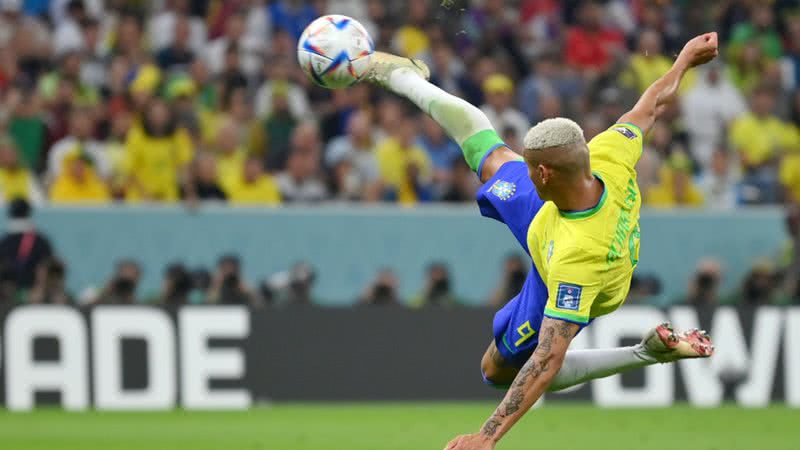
(531, 382)
(664, 91)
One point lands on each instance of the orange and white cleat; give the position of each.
(664, 345)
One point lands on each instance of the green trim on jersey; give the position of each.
(478, 145)
(591, 211)
(566, 316)
(636, 128)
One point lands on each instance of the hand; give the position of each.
(475, 441)
(700, 50)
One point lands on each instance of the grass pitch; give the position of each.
(403, 427)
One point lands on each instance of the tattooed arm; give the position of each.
(531, 382)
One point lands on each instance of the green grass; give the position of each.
(403, 427)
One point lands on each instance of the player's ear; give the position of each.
(544, 173)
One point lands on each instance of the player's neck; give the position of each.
(582, 195)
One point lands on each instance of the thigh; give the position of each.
(516, 325)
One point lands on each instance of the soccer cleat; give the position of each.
(382, 65)
(664, 345)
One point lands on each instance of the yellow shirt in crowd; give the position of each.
(67, 189)
(758, 140)
(230, 167)
(15, 183)
(393, 163)
(155, 162)
(643, 71)
(263, 191)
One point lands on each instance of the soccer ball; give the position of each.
(334, 51)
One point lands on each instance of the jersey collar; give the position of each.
(591, 211)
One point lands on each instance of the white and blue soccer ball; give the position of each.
(334, 51)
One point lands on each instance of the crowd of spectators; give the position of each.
(202, 100)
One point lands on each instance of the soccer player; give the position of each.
(574, 208)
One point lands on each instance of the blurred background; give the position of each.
(172, 153)
(125, 124)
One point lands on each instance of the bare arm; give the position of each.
(529, 385)
(664, 91)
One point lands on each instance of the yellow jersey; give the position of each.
(586, 258)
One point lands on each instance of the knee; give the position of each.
(495, 376)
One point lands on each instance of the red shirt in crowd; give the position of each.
(587, 49)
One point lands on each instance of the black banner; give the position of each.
(227, 357)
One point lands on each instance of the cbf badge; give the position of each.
(503, 190)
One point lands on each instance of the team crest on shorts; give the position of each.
(503, 190)
(569, 296)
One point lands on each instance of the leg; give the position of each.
(661, 345)
(465, 123)
(496, 371)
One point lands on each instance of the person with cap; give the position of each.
(498, 89)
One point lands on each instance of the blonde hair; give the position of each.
(558, 132)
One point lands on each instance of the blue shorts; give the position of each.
(510, 197)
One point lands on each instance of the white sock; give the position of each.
(459, 118)
(581, 366)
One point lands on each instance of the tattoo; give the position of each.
(564, 329)
(537, 364)
(491, 426)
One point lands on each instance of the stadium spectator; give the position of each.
(157, 154)
(498, 90)
(23, 248)
(703, 290)
(590, 46)
(441, 150)
(382, 291)
(16, 181)
(228, 286)
(404, 167)
(67, 36)
(759, 155)
(173, 27)
(463, 185)
(177, 54)
(253, 186)
(230, 155)
(301, 181)
(648, 63)
(759, 29)
(49, 284)
(272, 135)
(515, 271)
(438, 290)
(79, 140)
(352, 161)
(203, 184)
(26, 125)
(719, 183)
(78, 181)
(121, 289)
(675, 187)
(708, 107)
